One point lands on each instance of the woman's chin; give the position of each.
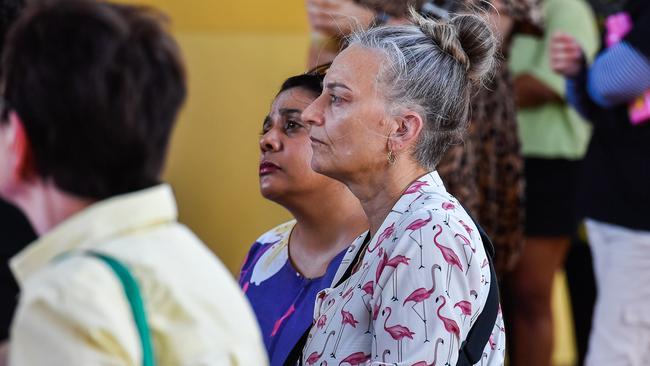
(320, 166)
(270, 194)
(328, 170)
(271, 189)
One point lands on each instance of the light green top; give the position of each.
(554, 131)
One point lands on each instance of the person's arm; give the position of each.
(530, 92)
(74, 318)
(567, 59)
(329, 22)
(578, 96)
(332, 20)
(338, 18)
(619, 75)
(540, 85)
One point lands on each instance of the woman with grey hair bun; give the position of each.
(410, 292)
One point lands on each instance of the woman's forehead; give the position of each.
(295, 96)
(356, 64)
(293, 100)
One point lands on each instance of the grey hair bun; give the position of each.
(468, 38)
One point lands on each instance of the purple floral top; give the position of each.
(283, 299)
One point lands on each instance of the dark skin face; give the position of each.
(286, 177)
(285, 149)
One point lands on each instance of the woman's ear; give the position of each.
(23, 164)
(409, 127)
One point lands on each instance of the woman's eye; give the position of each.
(292, 125)
(266, 126)
(334, 99)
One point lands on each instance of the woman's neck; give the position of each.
(378, 193)
(326, 223)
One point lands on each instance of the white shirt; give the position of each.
(423, 280)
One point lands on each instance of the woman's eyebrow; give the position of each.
(285, 111)
(335, 84)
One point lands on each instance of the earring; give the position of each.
(391, 157)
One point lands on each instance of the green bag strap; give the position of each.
(132, 292)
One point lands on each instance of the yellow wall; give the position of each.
(214, 157)
(237, 54)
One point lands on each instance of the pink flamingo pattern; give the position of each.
(450, 326)
(382, 312)
(394, 263)
(415, 187)
(315, 356)
(439, 341)
(448, 206)
(449, 256)
(346, 319)
(465, 308)
(383, 355)
(397, 332)
(356, 359)
(418, 224)
(368, 289)
(466, 227)
(384, 235)
(320, 323)
(419, 296)
(466, 242)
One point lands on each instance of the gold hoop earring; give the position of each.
(391, 157)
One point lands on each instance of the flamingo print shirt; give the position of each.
(421, 283)
(282, 299)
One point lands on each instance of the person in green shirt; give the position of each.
(554, 138)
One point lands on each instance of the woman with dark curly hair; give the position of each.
(288, 265)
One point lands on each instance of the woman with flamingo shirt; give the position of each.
(393, 102)
(288, 265)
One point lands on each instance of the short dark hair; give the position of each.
(313, 83)
(312, 80)
(98, 87)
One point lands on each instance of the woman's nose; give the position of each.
(270, 141)
(313, 114)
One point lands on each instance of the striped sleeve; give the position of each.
(618, 75)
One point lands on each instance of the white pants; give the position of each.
(620, 332)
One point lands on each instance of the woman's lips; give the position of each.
(267, 167)
(316, 141)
